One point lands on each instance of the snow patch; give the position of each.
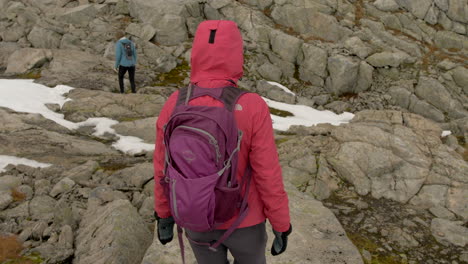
(5, 160)
(282, 87)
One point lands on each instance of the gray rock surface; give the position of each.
(42, 208)
(64, 185)
(460, 76)
(113, 233)
(145, 32)
(86, 104)
(388, 59)
(343, 74)
(83, 172)
(286, 46)
(386, 5)
(8, 182)
(446, 231)
(418, 8)
(44, 38)
(314, 225)
(136, 176)
(274, 92)
(26, 59)
(313, 62)
(436, 94)
(5, 200)
(357, 47)
(80, 15)
(458, 10)
(141, 128)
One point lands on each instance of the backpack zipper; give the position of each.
(212, 140)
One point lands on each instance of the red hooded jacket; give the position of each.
(217, 61)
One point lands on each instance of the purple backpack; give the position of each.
(202, 145)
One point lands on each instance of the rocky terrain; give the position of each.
(385, 188)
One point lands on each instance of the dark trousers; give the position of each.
(247, 246)
(131, 75)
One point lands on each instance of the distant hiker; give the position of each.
(216, 165)
(125, 60)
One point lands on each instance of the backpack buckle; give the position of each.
(212, 249)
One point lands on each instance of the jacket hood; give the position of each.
(124, 40)
(217, 52)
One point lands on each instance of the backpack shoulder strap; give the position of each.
(230, 95)
(184, 95)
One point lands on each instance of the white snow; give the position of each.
(26, 96)
(5, 160)
(304, 115)
(29, 97)
(282, 87)
(446, 133)
(132, 145)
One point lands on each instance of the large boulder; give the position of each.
(313, 63)
(418, 8)
(386, 5)
(42, 208)
(87, 103)
(391, 165)
(356, 46)
(425, 109)
(136, 176)
(161, 59)
(145, 32)
(167, 17)
(8, 182)
(460, 76)
(80, 15)
(388, 59)
(365, 77)
(450, 40)
(399, 156)
(436, 94)
(13, 33)
(79, 69)
(44, 38)
(286, 46)
(141, 128)
(309, 20)
(26, 59)
(458, 10)
(83, 172)
(276, 92)
(6, 49)
(113, 233)
(343, 74)
(447, 232)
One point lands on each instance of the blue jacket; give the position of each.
(120, 57)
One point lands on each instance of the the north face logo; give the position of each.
(238, 107)
(188, 155)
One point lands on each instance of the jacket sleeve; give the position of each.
(267, 174)
(118, 54)
(160, 201)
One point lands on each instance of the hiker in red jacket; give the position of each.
(217, 61)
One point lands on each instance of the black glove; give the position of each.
(281, 241)
(165, 229)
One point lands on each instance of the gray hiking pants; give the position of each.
(247, 246)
